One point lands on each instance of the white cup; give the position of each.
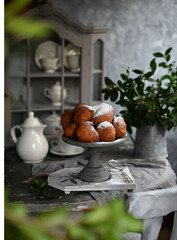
(61, 145)
(50, 65)
(73, 62)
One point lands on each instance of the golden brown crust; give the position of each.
(69, 131)
(85, 132)
(66, 118)
(120, 126)
(106, 132)
(83, 113)
(78, 105)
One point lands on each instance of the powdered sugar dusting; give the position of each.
(104, 124)
(102, 109)
(97, 106)
(87, 123)
(118, 120)
(89, 107)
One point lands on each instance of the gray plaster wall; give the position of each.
(137, 29)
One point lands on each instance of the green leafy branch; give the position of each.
(146, 99)
(40, 187)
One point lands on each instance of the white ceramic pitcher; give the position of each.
(54, 94)
(32, 145)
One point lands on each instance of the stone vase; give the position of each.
(150, 143)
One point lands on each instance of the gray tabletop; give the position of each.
(147, 174)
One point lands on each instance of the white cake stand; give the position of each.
(94, 171)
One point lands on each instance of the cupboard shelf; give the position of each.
(46, 75)
(25, 82)
(16, 110)
(54, 75)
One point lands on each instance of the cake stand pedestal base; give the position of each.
(68, 181)
(94, 171)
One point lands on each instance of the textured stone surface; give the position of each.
(137, 29)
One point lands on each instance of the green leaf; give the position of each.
(124, 77)
(150, 79)
(148, 75)
(38, 183)
(136, 90)
(119, 83)
(158, 55)
(163, 64)
(137, 71)
(114, 96)
(166, 76)
(108, 81)
(153, 65)
(168, 51)
(44, 184)
(26, 27)
(168, 58)
(16, 6)
(98, 215)
(54, 218)
(79, 232)
(106, 96)
(127, 71)
(20, 210)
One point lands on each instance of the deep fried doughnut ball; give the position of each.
(85, 132)
(69, 131)
(66, 118)
(78, 105)
(83, 113)
(120, 126)
(103, 112)
(106, 131)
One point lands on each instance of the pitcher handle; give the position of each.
(47, 92)
(13, 132)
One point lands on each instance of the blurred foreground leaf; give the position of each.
(22, 27)
(109, 221)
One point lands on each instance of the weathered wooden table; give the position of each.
(16, 172)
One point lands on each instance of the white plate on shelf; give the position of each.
(48, 49)
(70, 50)
(76, 151)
